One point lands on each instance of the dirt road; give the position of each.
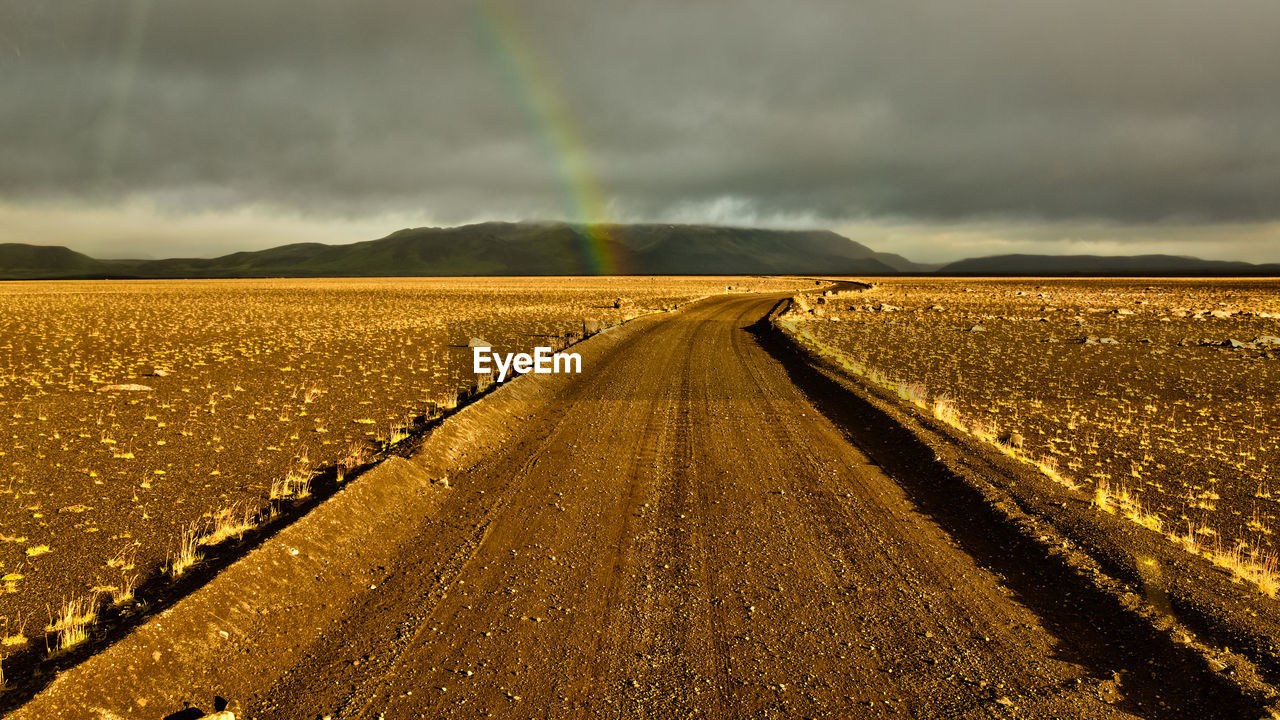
(680, 532)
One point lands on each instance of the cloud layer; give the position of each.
(814, 112)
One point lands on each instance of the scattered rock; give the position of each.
(127, 387)
(1012, 439)
(1230, 343)
(977, 328)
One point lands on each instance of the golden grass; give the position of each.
(1102, 497)
(187, 554)
(982, 431)
(358, 454)
(945, 410)
(1262, 570)
(123, 593)
(399, 432)
(72, 622)
(229, 522)
(13, 638)
(296, 485)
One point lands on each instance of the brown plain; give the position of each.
(137, 411)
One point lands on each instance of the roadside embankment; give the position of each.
(1185, 599)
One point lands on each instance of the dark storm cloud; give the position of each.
(1131, 112)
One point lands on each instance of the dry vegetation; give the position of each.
(148, 421)
(1157, 398)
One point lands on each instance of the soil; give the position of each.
(702, 524)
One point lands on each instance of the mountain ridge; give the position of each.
(558, 248)
(495, 248)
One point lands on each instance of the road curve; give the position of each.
(680, 532)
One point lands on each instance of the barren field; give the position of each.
(710, 520)
(145, 419)
(703, 525)
(1158, 397)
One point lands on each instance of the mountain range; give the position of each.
(554, 248)
(1102, 265)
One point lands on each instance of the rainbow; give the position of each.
(562, 143)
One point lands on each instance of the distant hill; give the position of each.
(501, 249)
(1041, 265)
(19, 261)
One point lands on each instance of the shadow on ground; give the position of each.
(1156, 678)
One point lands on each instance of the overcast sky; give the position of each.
(935, 129)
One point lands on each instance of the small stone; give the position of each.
(126, 387)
